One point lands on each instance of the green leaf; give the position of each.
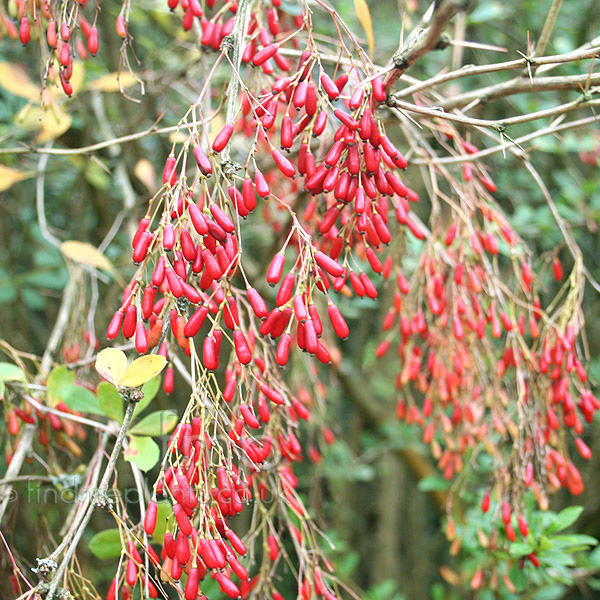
(593, 583)
(142, 370)
(51, 279)
(80, 399)
(33, 299)
(106, 544)
(150, 389)
(10, 372)
(58, 379)
(163, 511)
(519, 549)
(97, 177)
(8, 292)
(557, 557)
(565, 518)
(576, 539)
(544, 543)
(433, 483)
(110, 401)
(156, 423)
(143, 451)
(518, 577)
(550, 592)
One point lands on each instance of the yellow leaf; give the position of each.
(8, 177)
(54, 123)
(29, 117)
(144, 171)
(113, 82)
(56, 91)
(83, 252)
(111, 364)
(364, 16)
(76, 77)
(179, 137)
(14, 78)
(143, 369)
(50, 120)
(216, 124)
(449, 575)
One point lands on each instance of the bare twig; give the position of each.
(117, 448)
(114, 151)
(473, 70)
(26, 439)
(65, 415)
(427, 40)
(552, 129)
(521, 85)
(235, 42)
(549, 23)
(499, 125)
(39, 200)
(92, 147)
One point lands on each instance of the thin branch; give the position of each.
(92, 147)
(69, 553)
(65, 415)
(552, 129)
(40, 200)
(235, 42)
(499, 125)
(25, 478)
(547, 29)
(521, 85)
(426, 41)
(121, 177)
(117, 448)
(473, 70)
(26, 439)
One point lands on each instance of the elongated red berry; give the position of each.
(195, 322)
(263, 55)
(131, 572)
(209, 353)
(222, 219)
(51, 34)
(227, 586)
(115, 325)
(236, 542)
(202, 161)
(328, 264)
(169, 172)
(120, 26)
(485, 503)
(259, 306)
(93, 41)
(379, 92)
(150, 519)
(557, 269)
(346, 119)
(329, 86)
(223, 138)
(338, 322)
(242, 349)
(192, 584)
(283, 163)
(283, 349)
(275, 269)
(24, 34)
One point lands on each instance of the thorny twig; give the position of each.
(425, 41)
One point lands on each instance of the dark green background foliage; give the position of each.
(385, 525)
